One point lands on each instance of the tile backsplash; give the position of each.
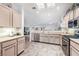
(8, 31)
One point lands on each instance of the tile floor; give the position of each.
(42, 49)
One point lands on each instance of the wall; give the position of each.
(48, 17)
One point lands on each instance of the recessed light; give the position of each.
(50, 4)
(58, 8)
(37, 11)
(48, 14)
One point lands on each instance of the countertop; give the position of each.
(3, 39)
(50, 32)
(75, 40)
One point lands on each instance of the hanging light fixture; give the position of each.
(45, 5)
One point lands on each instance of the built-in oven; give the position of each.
(66, 45)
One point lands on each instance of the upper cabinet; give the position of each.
(9, 17)
(71, 15)
(4, 16)
(66, 19)
(16, 19)
(76, 12)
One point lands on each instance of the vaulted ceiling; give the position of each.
(44, 16)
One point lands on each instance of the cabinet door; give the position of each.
(50, 39)
(0, 49)
(9, 50)
(71, 15)
(66, 19)
(73, 51)
(55, 39)
(21, 45)
(76, 12)
(4, 16)
(16, 19)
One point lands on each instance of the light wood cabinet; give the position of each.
(16, 19)
(9, 48)
(0, 49)
(74, 49)
(21, 44)
(12, 47)
(66, 19)
(76, 12)
(4, 16)
(71, 15)
(9, 17)
(50, 39)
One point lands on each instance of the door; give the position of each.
(50, 39)
(71, 15)
(21, 45)
(9, 51)
(76, 12)
(4, 16)
(16, 19)
(73, 51)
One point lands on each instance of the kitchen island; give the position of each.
(54, 37)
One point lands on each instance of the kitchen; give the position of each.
(39, 29)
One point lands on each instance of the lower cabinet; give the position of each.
(0, 49)
(73, 51)
(12, 47)
(21, 44)
(9, 50)
(50, 39)
(74, 48)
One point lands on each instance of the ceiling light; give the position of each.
(40, 5)
(50, 4)
(48, 14)
(45, 5)
(58, 7)
(37, 11)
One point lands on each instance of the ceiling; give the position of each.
(51, 16)
(44, 16)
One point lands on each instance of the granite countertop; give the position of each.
(3, 39)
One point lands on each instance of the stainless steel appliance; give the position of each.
(70, 24)
(66, 45)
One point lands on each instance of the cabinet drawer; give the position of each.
(0, 49)
(8, 43)
(21, 44)
(21, 39)
(75, 45)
